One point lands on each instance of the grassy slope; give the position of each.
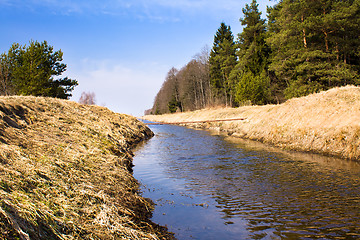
(65, 172)
(326, 122)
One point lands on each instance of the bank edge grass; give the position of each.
(327, 122)
(65, 172)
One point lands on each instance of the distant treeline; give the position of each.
(304, 46)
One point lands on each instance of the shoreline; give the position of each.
(66, 172)
(327, 123)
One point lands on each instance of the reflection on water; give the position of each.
(217, 187)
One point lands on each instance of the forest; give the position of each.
(302, 47)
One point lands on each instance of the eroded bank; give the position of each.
(65, 172)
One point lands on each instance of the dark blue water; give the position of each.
(214, 187)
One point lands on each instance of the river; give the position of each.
(207, 186)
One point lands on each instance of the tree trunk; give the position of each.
(326, 41)
(202, 94)
(325, 33)
(304, 32)
(225, 90)
(337, 51)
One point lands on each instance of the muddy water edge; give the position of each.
(208, 186)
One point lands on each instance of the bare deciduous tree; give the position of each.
(186, 89)
(87, 98)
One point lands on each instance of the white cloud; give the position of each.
(121, 88)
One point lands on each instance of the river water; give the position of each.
(207, 186)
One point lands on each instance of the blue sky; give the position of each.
(120, 50)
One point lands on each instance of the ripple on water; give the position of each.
(209, 187)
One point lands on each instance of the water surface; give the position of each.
(215, 187)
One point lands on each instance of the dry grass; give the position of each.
(326, 122)
(65, 172)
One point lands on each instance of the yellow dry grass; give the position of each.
(327, 122)
(65, 172)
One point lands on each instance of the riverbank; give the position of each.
(65, 172)
(327, 122)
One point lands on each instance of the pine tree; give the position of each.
(222, 60)
(32, 70)
(314, 44)
(253, 51)
(253, 56)
(252, 88)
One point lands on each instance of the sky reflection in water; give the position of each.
(216, 187)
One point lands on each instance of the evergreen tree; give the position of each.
(174, 105)
(252, 88)
(32, 70)
(253, 51)
(253, 56)
(222, 60)
(314, 44)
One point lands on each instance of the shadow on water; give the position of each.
(216, 187)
